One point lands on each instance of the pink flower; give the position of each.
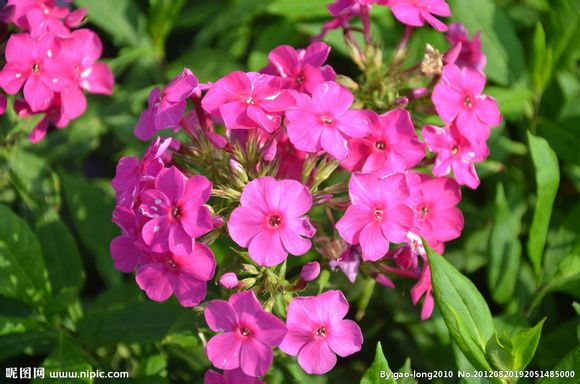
(310, 271)
(424, 287)
(455, 153)
(166, 108)
(248, 334)
(391, 146)
(377, 214)
(325, 120)
(291, 159)
(128, 250)
(434, 200)
(271, 220)
(234, 376)
(317, 331)
(464, 53)
(302, 69)
(81, 51)
(229, 280)
(349, 7)
(132, 174)
(348, 262)
(248, 100)
(418, 12)
(40, 17)
(185, 275)
(178, 216)
(458, 96)
(33, 63)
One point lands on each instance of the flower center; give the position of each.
(274, 221)
(380, 145)
(300, 79)
(176, 213)
(467, 102)
(249, 100)
(326, 119)
(454, 150)
(171, 263)
(378, 213)
(244, 331)
(321, 332)
(424, 211)
(35, 68)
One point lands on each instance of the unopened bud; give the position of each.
(384, 281)
(402, 101)
(432, 63)
(310, 271)
(229, 280)
(249, 268)
(420, 92)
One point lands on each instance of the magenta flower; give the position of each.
(234, 376)
(33, 64)
(186, 275)
(458, 96)
(40, 17)
(166, 108)
(81, 51)
(132, 174)
(348, 262)
(271, 220)
(455, 153)
(229, 280)
(302, 69)
(248, 100)
(424, 287)
(128, 250)
(464, 53)
(434, 200)
(391, 146)
(349, 7)
(418, 12)
(176, 207)
(378, 214)
(325, 120)
(3, 103)
(248, 334)
(317, 331)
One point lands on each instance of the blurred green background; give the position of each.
(63, 306)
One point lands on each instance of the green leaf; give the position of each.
(379, 371)
(119, 18)
(91, 211)
(24, 275)
(570, 363)
(505, 54)
(542, 60)
(498, 351)
(406, 370)
(505, 248)
(66, 356)
(514, 103)
(464, 310)
(524, 344)
(299, 9)
(60, 252)
(547, 181)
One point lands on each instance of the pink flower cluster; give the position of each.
(259, 168)
(162, 213)
(52, 63)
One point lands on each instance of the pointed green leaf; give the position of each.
(547, 182)
(406, 370)
(570, 363)
(379, 371)
(525, 343)
(24, 275)
(464, 310)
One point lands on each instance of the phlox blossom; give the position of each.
(424, 288)
(247, 334)
(186, 275)
(464, 53)
(302, 69)
(325, 120)
(458, 95)
(377, 215)
(418, 12)
(434, 203)
(176, 207)
(234, 376)
(455, 153)
(317, 331)
(165, 108)
(271, 220)
(391, 145)
(248, 100)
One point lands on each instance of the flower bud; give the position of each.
(384, 281)
(229, 280)
(402, 101)
(310, 271)
(419, 92)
